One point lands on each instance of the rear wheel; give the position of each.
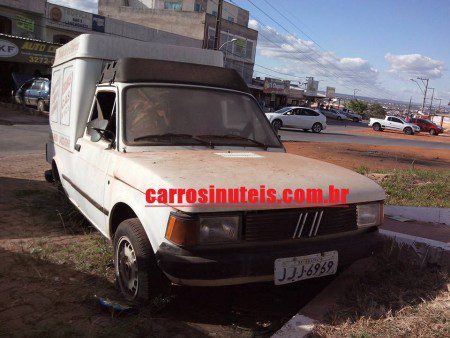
(376, 127)
(277, 124)
(317, 127)
(408, 131)
(339, 118)
(432, 132)
(40, 106)
(137, 274)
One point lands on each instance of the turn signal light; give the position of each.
(182, 230)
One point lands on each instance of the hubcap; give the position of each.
(317, 128)
(127, 267)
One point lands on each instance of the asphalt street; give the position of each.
(23, 134)
(340, 132)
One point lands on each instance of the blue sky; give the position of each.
(373, 45)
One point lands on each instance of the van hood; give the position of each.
(234, 169)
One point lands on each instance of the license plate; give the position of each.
(293, 269)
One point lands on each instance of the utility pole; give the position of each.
(354, 93)
(439, 109)
(425, 92)
(431, 102)
(409, 106)
(218, 25)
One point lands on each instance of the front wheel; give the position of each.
(432, 132)
(317, 127)
(408, 131)
(137, 274)
(40, 106)
(277, 125)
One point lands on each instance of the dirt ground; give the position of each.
(53, 264)
(422, 136)
(354, 156)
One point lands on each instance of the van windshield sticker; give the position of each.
(239, 155)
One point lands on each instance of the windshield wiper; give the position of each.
(173, 135)
(235, 137)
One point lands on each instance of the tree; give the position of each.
(376, 110)
(357, 106)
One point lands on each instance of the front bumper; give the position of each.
(239, 264)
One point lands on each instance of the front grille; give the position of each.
(298, 223)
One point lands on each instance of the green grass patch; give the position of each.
(414, 187)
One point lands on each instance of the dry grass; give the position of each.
(399, 298)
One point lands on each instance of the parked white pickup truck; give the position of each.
(178, 119)
(393, 123)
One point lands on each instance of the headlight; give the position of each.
(219, 229)
(187, 230)
(369, 214)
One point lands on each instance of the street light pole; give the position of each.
(431, 102)
(354, 93)
(425, 92)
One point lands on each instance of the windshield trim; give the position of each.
(177, 85)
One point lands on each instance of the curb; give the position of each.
(298, 326)
(421, 214)
(428, 250)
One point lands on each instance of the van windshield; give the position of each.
(194, 116)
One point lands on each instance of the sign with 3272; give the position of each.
(27, 51)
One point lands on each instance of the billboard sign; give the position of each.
(69, 16)
(330, 93)
(312, 86)
(275, 86)
(98, 23)
(26, 51)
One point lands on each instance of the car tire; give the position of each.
(376, 127)
(277, 124)
(355, 119)
(433, 132)
(339, 118)
(317, 127)
(40, 106)
(408, 131)
(137, 273)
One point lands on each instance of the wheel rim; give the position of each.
(277, 124)
(432, 132)
(127, 267)
(40, 106)
(317, 128)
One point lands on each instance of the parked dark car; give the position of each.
(427, 126)
(34, 92)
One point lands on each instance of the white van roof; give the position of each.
(98, 46)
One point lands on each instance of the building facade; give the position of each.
(32, 30)
(194, 19)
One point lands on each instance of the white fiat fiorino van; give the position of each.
(128, 116)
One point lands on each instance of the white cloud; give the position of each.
(82, 5)
(414, 65)
(299, 56)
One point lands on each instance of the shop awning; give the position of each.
(24, 50)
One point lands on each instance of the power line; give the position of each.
(322, 68)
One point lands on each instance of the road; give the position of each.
(342, 133)
(21, 133)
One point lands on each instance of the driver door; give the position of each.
(93, 159)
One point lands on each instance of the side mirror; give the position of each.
(97, 130)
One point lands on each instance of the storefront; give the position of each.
(22, 59)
